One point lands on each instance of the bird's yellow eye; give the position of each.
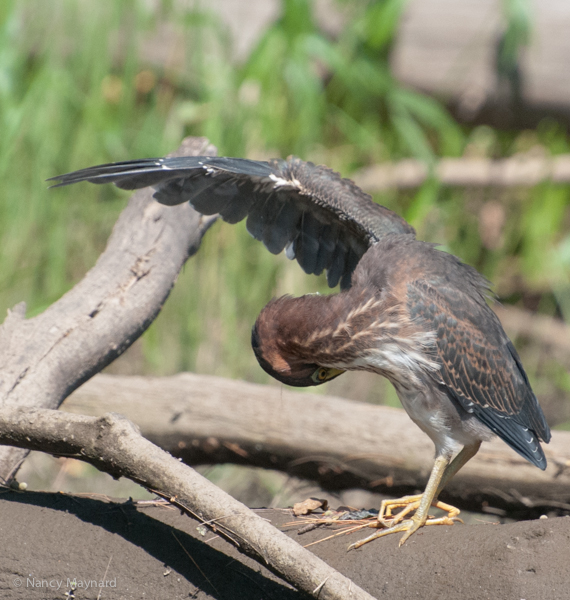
(320, 375)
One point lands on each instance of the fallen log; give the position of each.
(338, 443)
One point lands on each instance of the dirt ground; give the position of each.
(118, 550)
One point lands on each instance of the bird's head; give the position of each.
(279, 340)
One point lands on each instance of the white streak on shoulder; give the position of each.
(281, 182)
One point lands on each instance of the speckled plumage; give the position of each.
(419, 317)
(406, 311)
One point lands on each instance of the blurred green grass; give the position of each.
(85, 83)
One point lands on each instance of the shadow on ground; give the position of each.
(145, 551)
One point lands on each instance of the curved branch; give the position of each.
(45, 358)
(113, 444)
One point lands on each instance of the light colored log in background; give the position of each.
(272, 424)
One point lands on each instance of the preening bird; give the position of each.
(407, 311)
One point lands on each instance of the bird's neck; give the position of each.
(331, 330)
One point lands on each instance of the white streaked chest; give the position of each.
(402, 360)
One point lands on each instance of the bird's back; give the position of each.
(479, 366)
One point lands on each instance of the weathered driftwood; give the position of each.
(113, 444)
(337, 442)
(43, 359)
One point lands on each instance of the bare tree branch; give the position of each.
(113, 444)
(521, 170)
(339, 443)
(43, 359)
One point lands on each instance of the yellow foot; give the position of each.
(394, 524)
(409, 504)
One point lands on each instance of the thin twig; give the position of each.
(195, 563)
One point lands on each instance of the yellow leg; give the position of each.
(466, 454)
(443, 470)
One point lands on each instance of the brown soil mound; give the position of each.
(143, 551)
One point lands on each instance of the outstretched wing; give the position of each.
(482, 371)
(322, 220)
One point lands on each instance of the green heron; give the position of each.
(407, 311)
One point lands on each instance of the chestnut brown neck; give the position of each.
(314, 329)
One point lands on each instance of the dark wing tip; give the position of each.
(128, 175)
(522, 440)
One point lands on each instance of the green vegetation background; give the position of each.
(83, 83)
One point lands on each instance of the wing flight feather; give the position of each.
(325, 222)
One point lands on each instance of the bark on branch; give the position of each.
(337, 442)
(43, 359)
(113, 444)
